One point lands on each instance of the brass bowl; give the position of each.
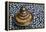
(23, 17)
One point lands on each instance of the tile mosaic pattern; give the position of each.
(37, 11)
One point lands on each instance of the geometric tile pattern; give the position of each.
(37, 10)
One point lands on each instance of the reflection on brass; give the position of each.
(23, 17)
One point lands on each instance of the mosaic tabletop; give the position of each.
(37, 10)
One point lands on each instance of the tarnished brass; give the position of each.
(23, 17)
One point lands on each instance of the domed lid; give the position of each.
(23, 11)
